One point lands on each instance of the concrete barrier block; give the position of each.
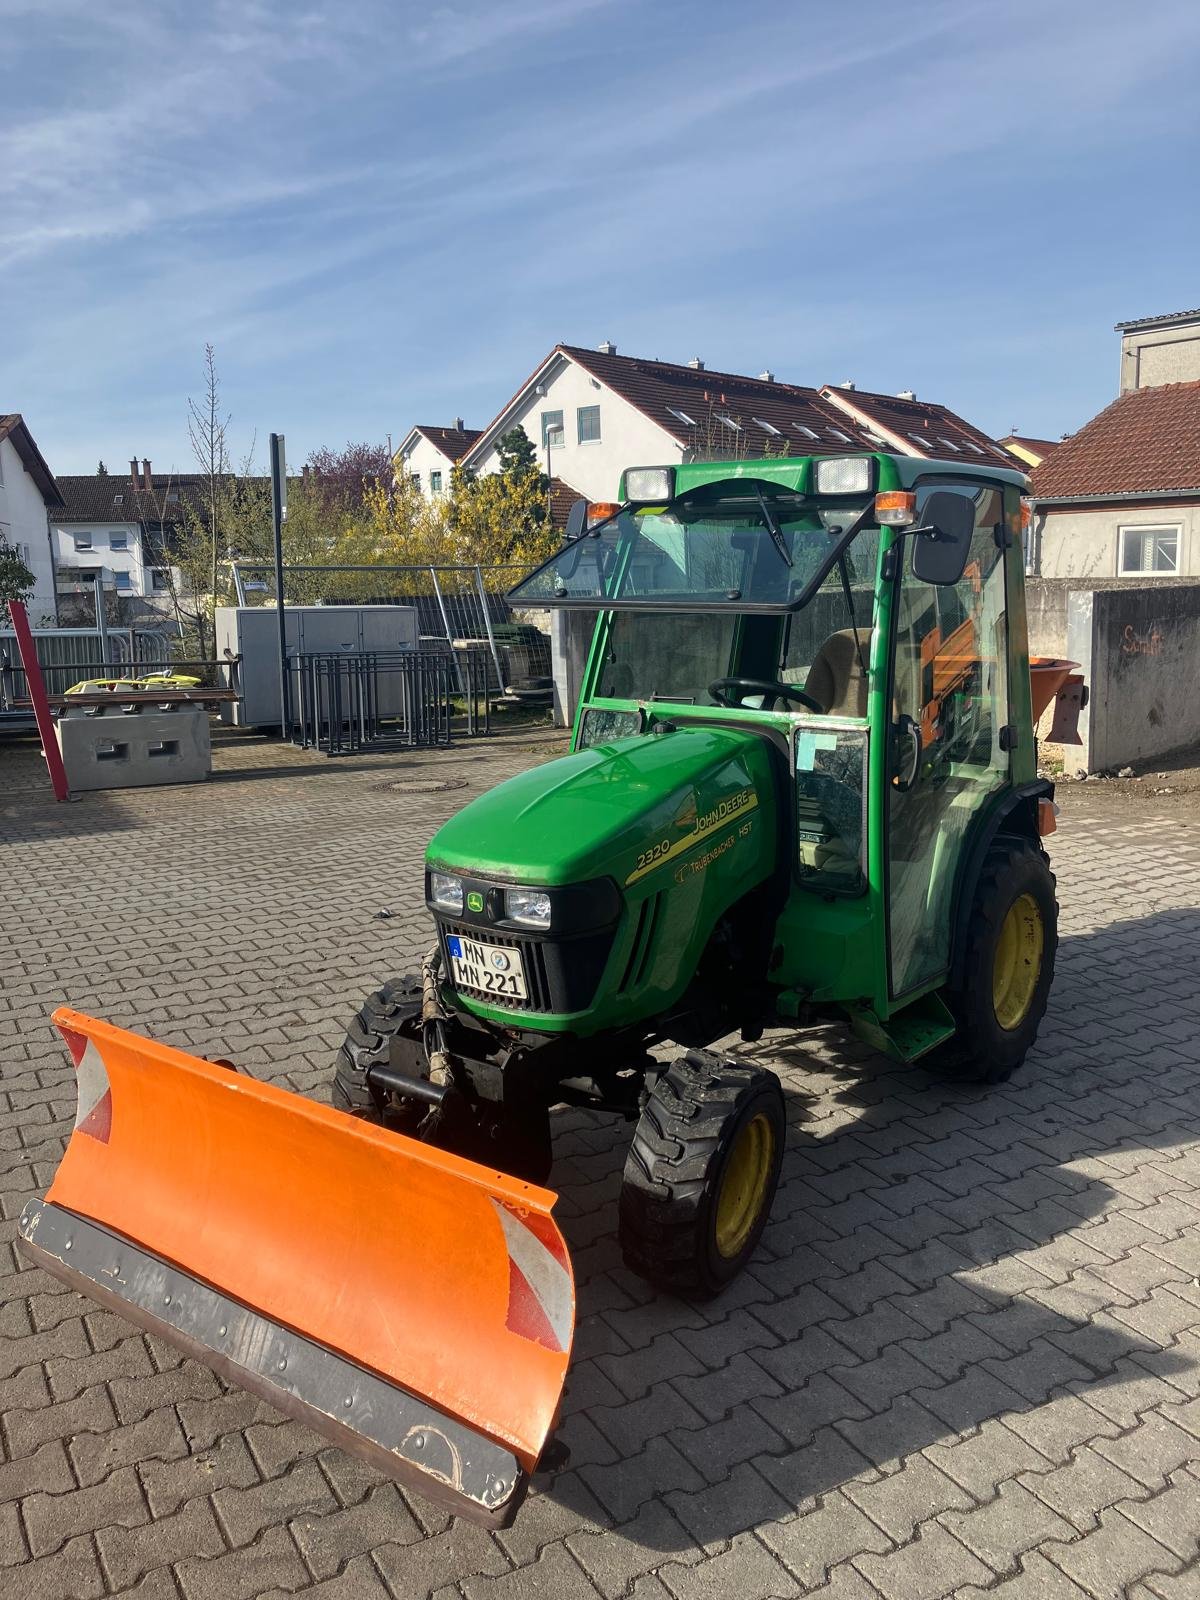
(132, 750)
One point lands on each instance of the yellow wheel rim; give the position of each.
(1018, 963)
(744, 1184)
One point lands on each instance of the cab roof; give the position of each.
(795, 472)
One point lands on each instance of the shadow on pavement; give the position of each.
(890, 1290)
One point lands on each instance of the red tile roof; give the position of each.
(1036, 447)
(562, 498)
(1147, 441)
(15, 429)
(920, 427)
(452, 442)
(691, 403)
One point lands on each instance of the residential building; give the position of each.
(591, 413)
(428, 454)
(1121, 498)
(1029, 452)
(29, 494)
(1157, 350)
(117, 529)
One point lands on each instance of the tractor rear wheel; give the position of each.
(1007, 968)
(701, 1172)
(386, 1031)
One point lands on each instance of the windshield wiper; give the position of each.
(773, 529)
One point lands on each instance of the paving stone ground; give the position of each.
(966, 1359)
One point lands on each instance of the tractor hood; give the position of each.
(626, 810)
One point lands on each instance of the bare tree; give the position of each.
(207, 433)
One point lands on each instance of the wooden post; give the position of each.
(37, 693)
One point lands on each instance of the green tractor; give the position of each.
(802, 784)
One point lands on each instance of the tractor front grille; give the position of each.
(562, 975)
(532, 959)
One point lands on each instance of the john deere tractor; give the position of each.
(801, 785)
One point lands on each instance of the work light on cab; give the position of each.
(529, 907)
(895, 509)
(446, 892)
(649, 485)
(845, 474)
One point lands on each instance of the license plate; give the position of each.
(486, 968)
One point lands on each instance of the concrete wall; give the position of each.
(1151, 356)
(23, 526)
(1086, 543)
(1140, 654)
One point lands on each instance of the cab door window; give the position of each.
(949, 755)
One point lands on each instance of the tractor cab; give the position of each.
(853, 613)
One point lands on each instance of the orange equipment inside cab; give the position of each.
(413, 1306)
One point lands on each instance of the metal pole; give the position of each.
(36, 689)
(278, 512)
(102, 621)
(239, 587)
(487, 622)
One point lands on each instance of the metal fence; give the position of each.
(344, 704)
(456, 606)
(68, 654)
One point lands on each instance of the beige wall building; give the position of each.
(1158, 350)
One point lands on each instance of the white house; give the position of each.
(112, 527)
(28, 494)
(427, 455)
(1120, 498)
(592, 413)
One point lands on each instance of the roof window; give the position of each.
(682, 416)
(767, 427)
(950, 444)
(836, 433)
(921, 438)
(729, 422)
(807, 433)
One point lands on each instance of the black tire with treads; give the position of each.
(982, 1050)
(387, 1031)
(672, 1180)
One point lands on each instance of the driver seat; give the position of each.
(836, 678)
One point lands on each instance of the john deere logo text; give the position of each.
(663, 850)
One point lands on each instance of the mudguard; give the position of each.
(414, 1307)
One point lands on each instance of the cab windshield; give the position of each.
(747, 547)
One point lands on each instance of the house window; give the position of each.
(118, 499)
(118, 541)
(728, 422)
(836, 433)
(949, 443)
(415, 479)
(160, 580)
(588, 419)
(552, 429)
(806, 433)
(172, 495)
(83, 541)
(767, 427)
(435, 483)
(1149, 549)
(123, 582)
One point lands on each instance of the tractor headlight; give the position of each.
(446, 892)
(530, 907)
(649, 485)
(844, 474)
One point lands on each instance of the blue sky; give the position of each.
(387, 213)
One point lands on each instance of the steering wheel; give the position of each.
(721, 690)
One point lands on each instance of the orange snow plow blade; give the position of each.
(413, 1306)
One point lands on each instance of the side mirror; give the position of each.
(944, 537)
(576, 521)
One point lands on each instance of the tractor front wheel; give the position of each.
(701, 1172)
(386, 1032)
(1008, 965)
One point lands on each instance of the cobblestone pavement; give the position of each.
(966, 1358)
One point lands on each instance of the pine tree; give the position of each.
(516, 453)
